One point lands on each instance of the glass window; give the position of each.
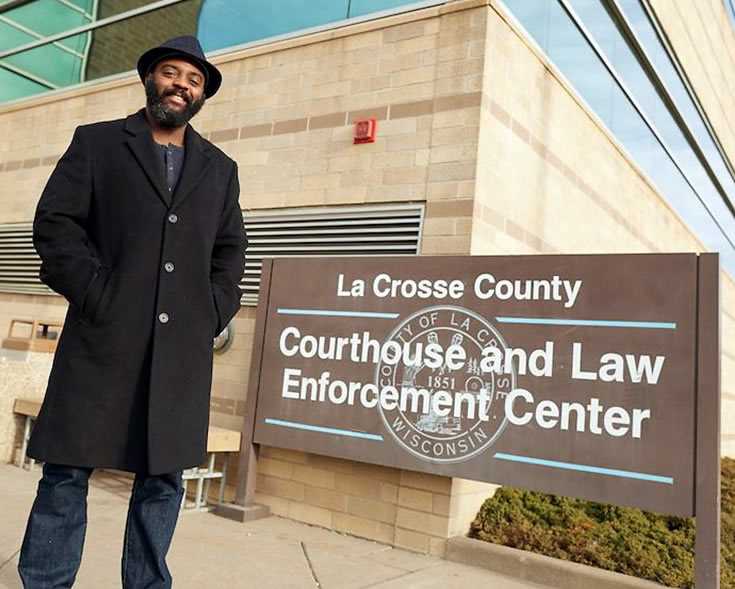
(361, 7)
(114, 48)
(681, 177)
(50, 66)
(223, 23)
(14, 86)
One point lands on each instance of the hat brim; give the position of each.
(152, 56)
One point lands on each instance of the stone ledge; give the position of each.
(242, 513)
(538, 568)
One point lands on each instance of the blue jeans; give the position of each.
(52, 546)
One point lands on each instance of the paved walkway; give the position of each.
(210, 552)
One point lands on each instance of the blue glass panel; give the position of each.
(223, 23)
(49, 63)
(83, 4)
(730, 8)
(552, 28)
(13, 86)
(11, 37)
(361, 7)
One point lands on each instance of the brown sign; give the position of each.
(567, 374)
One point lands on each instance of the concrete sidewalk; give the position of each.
(212, 552)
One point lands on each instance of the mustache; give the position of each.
(183, 95)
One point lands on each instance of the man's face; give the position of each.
(174, 91)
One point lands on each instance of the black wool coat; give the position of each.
(151, 278)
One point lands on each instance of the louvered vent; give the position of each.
(19, 262)
(339, 231)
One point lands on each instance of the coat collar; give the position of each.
(196, 159)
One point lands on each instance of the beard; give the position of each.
(163, 114)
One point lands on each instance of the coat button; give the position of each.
(172, 218)
(163, 317)
(169, 266)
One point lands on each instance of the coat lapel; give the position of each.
(143, 147)
(196, 162)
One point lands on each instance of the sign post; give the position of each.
(707, 491)
(244, 507)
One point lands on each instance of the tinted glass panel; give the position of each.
(361, 7)
(687, 188)
(223, 23)
(15, 86)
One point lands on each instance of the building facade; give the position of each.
(557, 126)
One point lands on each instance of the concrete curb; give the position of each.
(538, 568)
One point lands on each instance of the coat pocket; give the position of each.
(96, 291)
(214, 313)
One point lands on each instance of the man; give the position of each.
(150, 261)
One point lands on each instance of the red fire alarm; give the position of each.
(365, 130)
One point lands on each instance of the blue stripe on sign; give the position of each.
(587, 322)
(328, 313)
(324, 430)
(626, 474)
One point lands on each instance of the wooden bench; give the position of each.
(219, 441)
(43, 338)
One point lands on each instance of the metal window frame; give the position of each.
(84, 13)
(88, 47)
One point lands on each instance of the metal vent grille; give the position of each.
(19, 262)
(339, 231)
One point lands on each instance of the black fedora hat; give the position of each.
(188, 48)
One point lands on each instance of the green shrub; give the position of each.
(621, 539)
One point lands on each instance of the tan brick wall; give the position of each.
(384, 504)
